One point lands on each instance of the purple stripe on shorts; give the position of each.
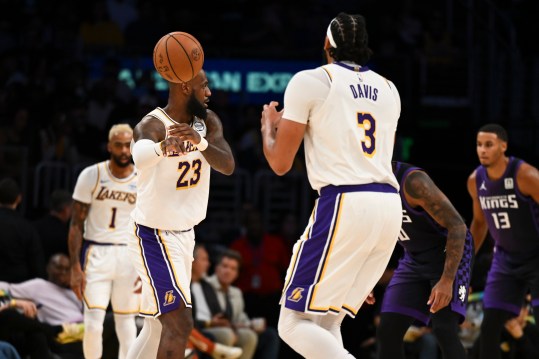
(83, 253)
(314, 248)
(369, 187)
(494, 304)
(159, 270)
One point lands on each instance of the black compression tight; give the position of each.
(445, 326)
(390, 333)
(491, 329)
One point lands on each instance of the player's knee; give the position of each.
(177, 322)
(285, 328)
(93, 327)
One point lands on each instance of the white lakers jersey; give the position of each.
(351, 115)
(173, 195)
(111, 202)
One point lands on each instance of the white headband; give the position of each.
(330, 35)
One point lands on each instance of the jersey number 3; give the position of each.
(368, 124)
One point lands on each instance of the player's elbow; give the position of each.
(229, 167)
(280, 169)
(226, 167)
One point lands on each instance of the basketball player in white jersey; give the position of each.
(174, 150)
(347, 115)
(101, 271)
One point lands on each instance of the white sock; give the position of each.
(126, 330)
(304, 333)
(147, 342)
(92, 342)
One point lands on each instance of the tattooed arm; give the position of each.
(78, 280)
(421, 191)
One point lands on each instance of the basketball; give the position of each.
(178, 57)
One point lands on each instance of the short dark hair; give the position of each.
(350, 35)
(9, 191)
(496, 129)
(230, 253)
(59, 199)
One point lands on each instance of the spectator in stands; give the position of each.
(22, 255)
(8, 351)
(253, 334)
(205, 304)
(53, 227)
(521, 335)
(52, 315)
(265, 258)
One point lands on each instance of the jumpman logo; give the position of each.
(483, 187)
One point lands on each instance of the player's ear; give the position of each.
(185, 88)
(504, 146)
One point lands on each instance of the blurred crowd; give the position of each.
(53, 108)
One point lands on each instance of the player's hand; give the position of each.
(28, 307)
(370, 298)
(138, 286)
(441, 295)
(270, 116)
(78, 281)
(184, 132)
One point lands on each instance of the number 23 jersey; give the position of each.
(173, 194)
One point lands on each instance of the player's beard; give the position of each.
(196, 108)
(119, 162)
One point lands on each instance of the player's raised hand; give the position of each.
(182, 132)
(270, 116)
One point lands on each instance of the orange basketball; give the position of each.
(178, 57)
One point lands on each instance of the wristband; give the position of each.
(158, 148)
(203, 144)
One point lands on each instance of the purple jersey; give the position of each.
(512, 218)
(423, 240)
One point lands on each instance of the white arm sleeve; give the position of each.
(146, 153)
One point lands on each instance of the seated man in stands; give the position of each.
(257, 340)
(207, 321)
(53, 304)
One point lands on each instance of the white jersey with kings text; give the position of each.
(111, 202)
(173, 195)
(351, 115)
